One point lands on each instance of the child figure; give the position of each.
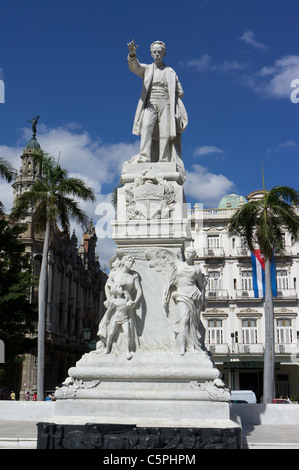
(117, 317)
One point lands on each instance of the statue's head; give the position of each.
(190, 252)
(116, 289)
(127, 261)
(158, 51)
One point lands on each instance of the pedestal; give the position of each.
(142, 389)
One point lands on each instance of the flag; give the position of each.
(258, 274)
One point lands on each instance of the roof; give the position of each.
(33, 144)
(231, 201)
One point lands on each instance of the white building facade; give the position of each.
(234, 318)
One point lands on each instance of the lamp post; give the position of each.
(86, 334)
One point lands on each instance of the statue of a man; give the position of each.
(160, 117)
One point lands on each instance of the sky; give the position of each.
(237, 61)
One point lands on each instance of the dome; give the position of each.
(231, 201)
(33, 144)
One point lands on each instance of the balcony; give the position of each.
(218, 348)
(249, 348)
(213, 252)
(283, 294)
(244, 294)
(243, 251)
(288, 348)
(220, 294)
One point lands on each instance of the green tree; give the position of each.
(17, 314)
(54, 199)
(262, 223)
(6, 172)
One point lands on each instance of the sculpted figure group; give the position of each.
(123, 292)
(186, 286)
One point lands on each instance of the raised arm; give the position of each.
(132, 48)
(133, 62)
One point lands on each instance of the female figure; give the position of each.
(189, 297)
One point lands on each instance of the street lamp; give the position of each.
(86, 334)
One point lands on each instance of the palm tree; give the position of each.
(53, 201)
(262, 223)
(6, 172)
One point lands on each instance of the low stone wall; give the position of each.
(26, 410)
(249, 414)
(255, 414)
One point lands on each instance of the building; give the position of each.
(234, 318)
(75, 290)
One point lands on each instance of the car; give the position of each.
(281, 401)
(242, 396)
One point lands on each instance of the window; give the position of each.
(249, 331)
(215, 331)
(213, 242)
(214, 280)
(243, 243)
(282, 279)
(247, 280)
(284, 331)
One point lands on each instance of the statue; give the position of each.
(123, 292)
(186, 286)
(34, 124)
(160, 117)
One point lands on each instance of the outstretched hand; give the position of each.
(132, 48)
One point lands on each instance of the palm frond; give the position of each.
(77, 187)
(7, 171)
(263, 222)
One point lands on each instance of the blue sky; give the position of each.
(66, 61)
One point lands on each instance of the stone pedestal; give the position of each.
(146, 392)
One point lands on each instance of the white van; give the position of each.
(242, 396)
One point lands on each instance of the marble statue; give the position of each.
(160, 116)
(123, 291)
(186, 286)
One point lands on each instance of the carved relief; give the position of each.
(71, 387)
(215, 389)
(149, 197)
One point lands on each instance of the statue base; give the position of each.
(155, 400)
(101, 433)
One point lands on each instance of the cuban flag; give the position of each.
(258, 274)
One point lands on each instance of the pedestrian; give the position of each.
(34, 397)
(12, 396)
(27, 396)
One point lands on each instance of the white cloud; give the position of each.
(249, 38)
(205, 64)
(275, 81)
(201, 65)
(206, 150)
(289, 145)
(205, 187)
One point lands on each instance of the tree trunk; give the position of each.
(42, 310)
(269, 354)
